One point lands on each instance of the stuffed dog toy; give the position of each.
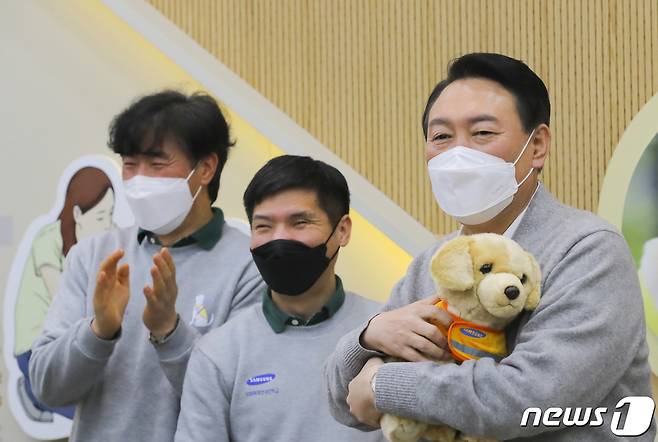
(485, 281)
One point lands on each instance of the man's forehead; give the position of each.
(162, 150)
(159, 145)
(289, 203)
(437, 121)
(473, 97)
(150, 153)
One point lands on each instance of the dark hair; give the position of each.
(194, 121)
(296, 172)
(529, 91)
(86, 189)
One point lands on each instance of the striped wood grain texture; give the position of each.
(356, 74)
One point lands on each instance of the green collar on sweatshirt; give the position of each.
(206, 237)
(279, 319)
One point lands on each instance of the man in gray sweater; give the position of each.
(184, 272)
(259, 377)
(582, 350)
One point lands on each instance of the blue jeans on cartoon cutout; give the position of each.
(23, 362)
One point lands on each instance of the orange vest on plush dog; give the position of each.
(467, 340)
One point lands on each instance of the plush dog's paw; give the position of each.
(440, 433)
(399, 429)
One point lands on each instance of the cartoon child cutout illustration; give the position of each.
(86, 206)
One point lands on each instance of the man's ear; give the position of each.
(540, 144)
(535, 295)
(344, 230)
(208, 166)
(452, 266)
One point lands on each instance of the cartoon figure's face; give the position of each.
(96, 220)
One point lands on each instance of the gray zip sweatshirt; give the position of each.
(128, 389)
(584, 346)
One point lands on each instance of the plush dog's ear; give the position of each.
(533, 298)
(452, 266)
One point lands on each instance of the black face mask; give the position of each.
(291, 267)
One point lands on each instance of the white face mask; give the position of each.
(472, 186)
(159, 204)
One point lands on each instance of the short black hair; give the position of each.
(300, 172)
(195, 122)
(529, 91)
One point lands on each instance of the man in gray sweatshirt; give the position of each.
(582, 350)
(259, 377)
(118, 336)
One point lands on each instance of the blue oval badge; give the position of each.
(473, 333)
(261, 379)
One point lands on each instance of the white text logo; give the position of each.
(631, 417)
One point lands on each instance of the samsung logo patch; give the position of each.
(261, 379)
(473, 333)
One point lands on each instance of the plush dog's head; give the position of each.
(487, 278)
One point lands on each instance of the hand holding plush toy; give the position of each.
(485, 281)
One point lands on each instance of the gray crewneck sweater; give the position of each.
(128, 389)
(584, 346)
(246, 383)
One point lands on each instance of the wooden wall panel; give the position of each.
(356, 74)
